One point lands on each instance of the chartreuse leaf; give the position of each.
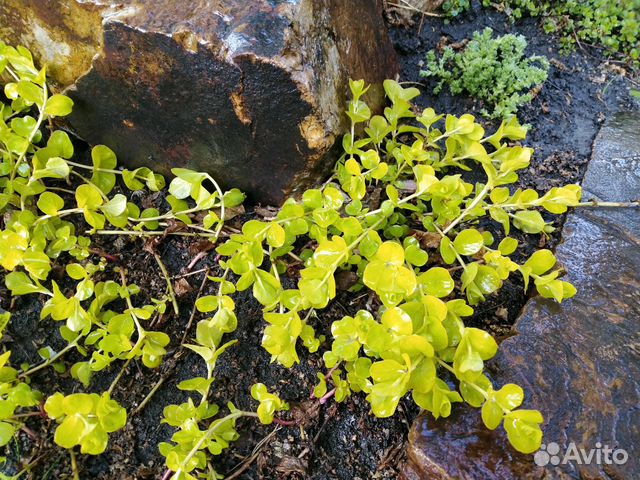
(55, 167)
(85, 420)
(37, 264)
(7, 431)
(500, 403)
(50, 203)
(508, 245)
(398, 321)
(103, 159)
(88, 197)
(58, 106)
(447, 251)
(475, 346)
(390, 381)
(20, 284)
(266, 288)
(438, 400)
(468, 242)
(331, 253)
(269, 403)
(387, 276)
(317, 286)
(529, 221)
(523, 430)
(279, 338)
(321, 389)
(475, 392)
(547, 284)
(436, 281)
(275, 235)
(138, 178)
(414, 254)
(540, 262)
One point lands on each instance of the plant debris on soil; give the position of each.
(328, 441)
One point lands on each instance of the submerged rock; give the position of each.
(578, 362)
(252, 92)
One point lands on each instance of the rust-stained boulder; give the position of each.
(252, 92)
(578, 362)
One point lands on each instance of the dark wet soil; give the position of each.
(333, 441)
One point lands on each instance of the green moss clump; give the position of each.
(614, 25)
(453, 8)
(494, 70)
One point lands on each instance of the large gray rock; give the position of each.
(251, 91)
(579, 362)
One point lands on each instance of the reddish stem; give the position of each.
(326, 398)
(284, 423)
(102, 253)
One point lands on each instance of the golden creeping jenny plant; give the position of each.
(398, 213)
(35, 172)
(413, 163)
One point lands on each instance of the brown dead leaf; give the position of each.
(174, 226)
(428, 240)
(345, 279)
(182, 287)
(151, 244)
(230, 212)
(267, 213)
(201, 246)
(502, 313)
(289, 465)
(305, 412)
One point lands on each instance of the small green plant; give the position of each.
(418, 331)
(190, 444)
(85, 420)
(35, 207)
(613, 25)
(15, 395)
(453, 8)
(494, 70)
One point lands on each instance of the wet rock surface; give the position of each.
(578, 362)
(252, 92)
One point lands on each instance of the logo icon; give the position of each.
(547, 454)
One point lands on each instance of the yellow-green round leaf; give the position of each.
(70, 431)
(275, 235)
(398, 321)
(436, 281)
(529, 221)
(508, 245)
(391, 253)
(523, 430)
(88, 196)
(58, 106)
(50, 203)
(468, 242)
(6, 433)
